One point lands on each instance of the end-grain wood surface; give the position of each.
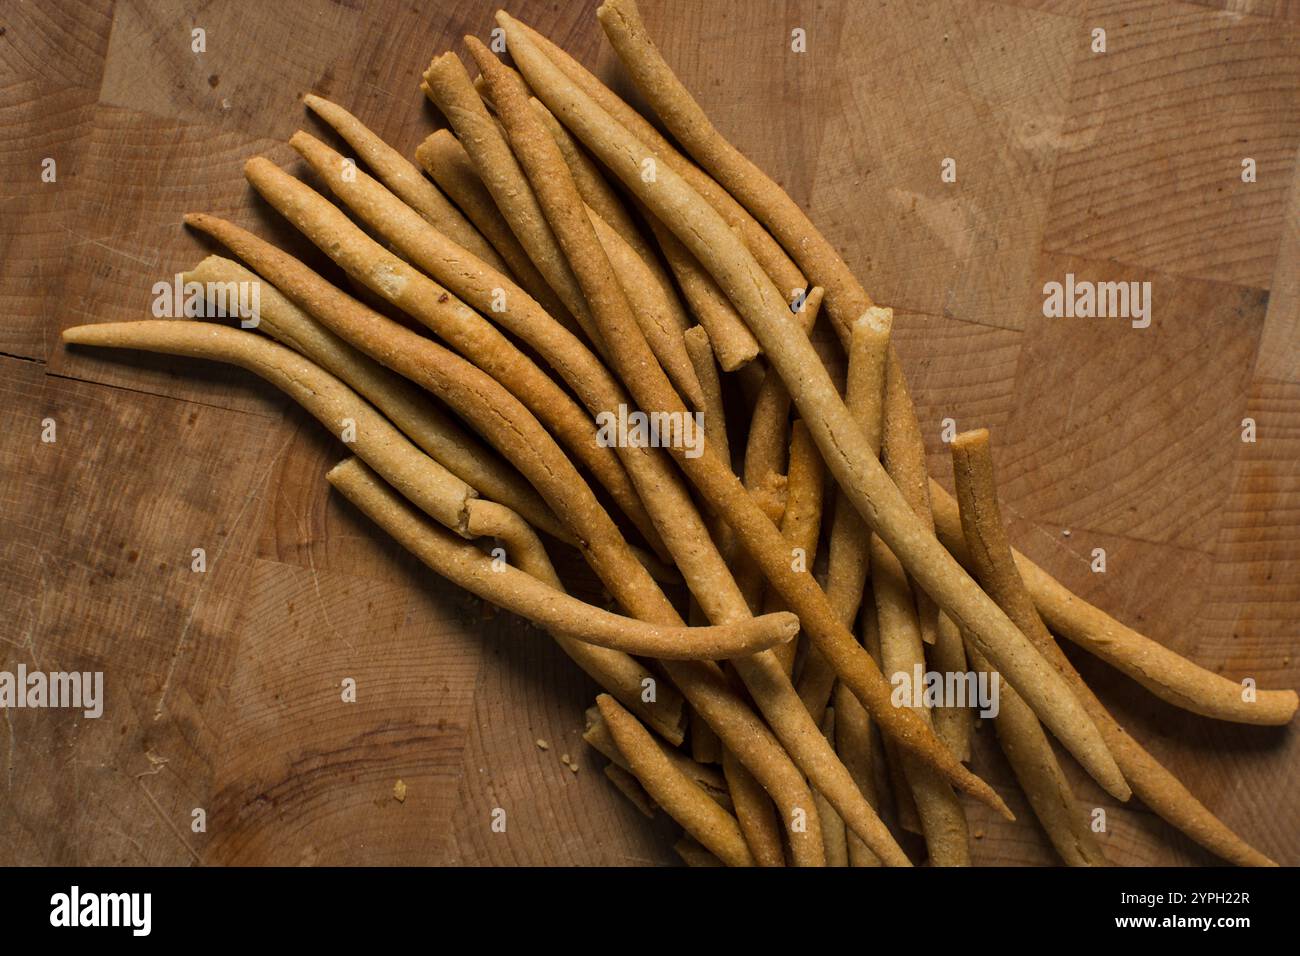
(223, 687)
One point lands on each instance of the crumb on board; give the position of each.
(399, 791)
(542, 744)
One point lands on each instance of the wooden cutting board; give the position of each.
(223, 687)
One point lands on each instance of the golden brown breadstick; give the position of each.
(345, 414)
(595, 189)
(403, 404)
(902, 452)
(467, 331)
(855, 742)
(700, 351)
(400, 175)
(686, 803)
(443, 158)
(449, 87)
(1168, 675)
(844, 448)
(765, 445)
(947, 655)
(754, 812)
(989, 555)
(850, 539)
(833, 832)
(520, 593)
(606, 203)
(661, 321)
(801, 522)
(891, 775)
(708, 779)
(901, 653)
(712, 585)
(778, 266)
(733, 344)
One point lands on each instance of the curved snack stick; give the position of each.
(400, 175)
(765, 249)
(986, 549)
(435, 490)
(1039, 773)
(901, 652)
(618, 673)
(449, 87)
(520, 593)
(708, 779)
(733, 344)
(754, 812)
(712, 585)
(686, 803)
(596, 190)
(661, 323)
(1168, 675)
(954, 724)
(840, 440)
(467, 331)
(512, 430)
(443, 158)
(403, 404)
(715, 416)
(850, 538)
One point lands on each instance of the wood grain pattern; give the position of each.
(224, 687)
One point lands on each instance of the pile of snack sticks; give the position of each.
(573, 263)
